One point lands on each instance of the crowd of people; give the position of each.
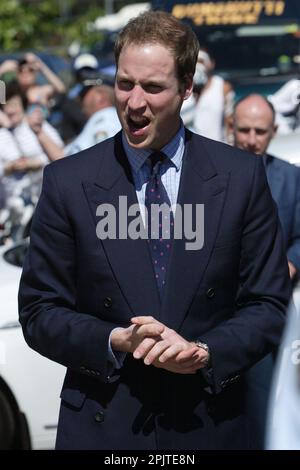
(31, 137)
(241, 315)
(29, 140)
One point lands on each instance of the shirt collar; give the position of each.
(174, 151)
(266, 159)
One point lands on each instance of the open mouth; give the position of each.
(137, 124)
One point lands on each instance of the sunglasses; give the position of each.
(26, 69)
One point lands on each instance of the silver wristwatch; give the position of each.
(204, 346)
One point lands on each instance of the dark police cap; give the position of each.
(92, 79)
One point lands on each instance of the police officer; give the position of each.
(97, 102)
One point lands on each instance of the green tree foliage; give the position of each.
(47, 23)
(79, 29)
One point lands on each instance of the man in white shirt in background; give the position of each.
(286, 102)
(207, 111)
(97, 101)
(27, 143)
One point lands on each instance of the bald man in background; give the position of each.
(254, 127)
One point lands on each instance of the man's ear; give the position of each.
(212, 65)
(188, 87)
(229, 130)
(230, 123)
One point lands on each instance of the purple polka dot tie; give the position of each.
(160, 223)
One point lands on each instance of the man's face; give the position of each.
(253, 125)
(206, 61)
(14, 110)
(26, 76)
(148, 95)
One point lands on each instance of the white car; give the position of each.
(29, 383)
(286, 147)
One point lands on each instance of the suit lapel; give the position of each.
(200, 184)
(275, 178)
(129, 259)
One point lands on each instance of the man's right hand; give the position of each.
(155, 344)
(128, 339)
(35, 119)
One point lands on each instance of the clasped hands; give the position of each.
(153, 342)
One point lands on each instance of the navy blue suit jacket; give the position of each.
(284, 182)
(231, 294)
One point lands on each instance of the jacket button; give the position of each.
(99, 417)
(107, 302)
(210, 293)
(211, 408)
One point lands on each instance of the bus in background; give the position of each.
(253, 42)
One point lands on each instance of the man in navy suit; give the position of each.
(254, 127)
(156, 332)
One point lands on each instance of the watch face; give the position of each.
(202, 345)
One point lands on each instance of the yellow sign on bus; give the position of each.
(228, 13)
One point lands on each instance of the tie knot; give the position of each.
(156, 159)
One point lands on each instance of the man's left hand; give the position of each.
(172, 352)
